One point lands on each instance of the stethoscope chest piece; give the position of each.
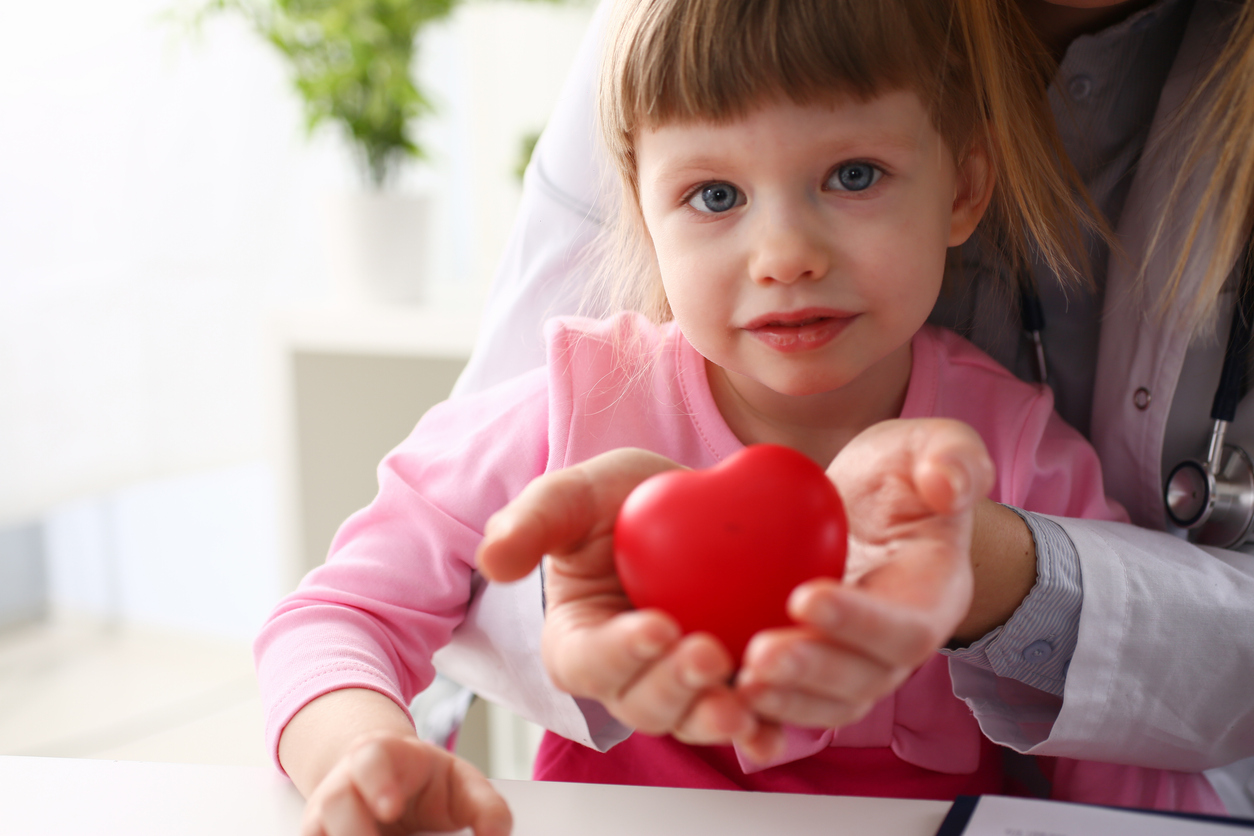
(1214, 500)
(1215, 504)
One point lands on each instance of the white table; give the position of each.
(64, 797)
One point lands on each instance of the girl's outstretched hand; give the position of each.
(595, 644)
(911, 489)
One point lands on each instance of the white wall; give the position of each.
(159, 200)
(152, 204)
(515, 57)
(192, 552)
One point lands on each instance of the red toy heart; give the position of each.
(721, 549)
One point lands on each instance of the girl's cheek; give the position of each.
(674, 247)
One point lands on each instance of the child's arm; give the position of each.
(354, 755)
(910, 488)
(341, 656)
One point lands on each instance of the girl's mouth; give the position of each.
(803, 330)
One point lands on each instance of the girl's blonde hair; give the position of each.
(975, 65)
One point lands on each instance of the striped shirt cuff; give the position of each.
(1035, 645)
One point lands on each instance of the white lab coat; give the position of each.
(1163, 673)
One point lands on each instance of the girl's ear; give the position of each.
(974, 190)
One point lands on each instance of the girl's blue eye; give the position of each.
(854, 177)
(716, 197)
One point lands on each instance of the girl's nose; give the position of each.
(788, 248)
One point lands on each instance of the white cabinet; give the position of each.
(354, 381)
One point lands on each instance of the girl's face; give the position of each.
(801, 247)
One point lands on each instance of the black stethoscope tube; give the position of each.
(1214, 499)
(1236, 354)
(1032, 315)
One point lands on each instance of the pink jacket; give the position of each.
(399, 582)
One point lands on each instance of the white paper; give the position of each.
(1002, 816)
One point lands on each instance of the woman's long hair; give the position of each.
(1219, 116)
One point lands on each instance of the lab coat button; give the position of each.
(1141, 398)
(1038, 651)
(1080, 87)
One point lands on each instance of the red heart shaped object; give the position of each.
(721, 549)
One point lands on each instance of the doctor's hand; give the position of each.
(912, 489)
(595, 645)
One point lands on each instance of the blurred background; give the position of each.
(214, 322)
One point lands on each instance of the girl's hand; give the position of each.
(910, 488)
(595, 645)
(354, 756)
(389, 783)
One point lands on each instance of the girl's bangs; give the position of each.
(716, 59)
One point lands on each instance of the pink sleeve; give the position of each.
(1052, 468)
(398, 578)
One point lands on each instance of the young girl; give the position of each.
(795, 173)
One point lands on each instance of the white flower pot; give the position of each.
(377, 247)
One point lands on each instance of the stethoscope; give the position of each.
(1213, 500)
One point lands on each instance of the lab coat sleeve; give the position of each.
(1163, 672)
(1035, 645)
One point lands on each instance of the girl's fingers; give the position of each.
(402, 779)
(344, 813)
(637, 665)
(438, 791)
(587, 579)
(878, 630)
(659, 700)
(371, 769)
(850, 651)
(799, 708)
(311, 822)
(904, 471)
(599, 660)
(953, 468)
(561, 511)
(474, 803)
(795, 660)
(765, 744)
(717, 717)
(555, 512)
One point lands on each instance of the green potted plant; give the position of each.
(351, 62)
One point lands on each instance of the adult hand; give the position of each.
(595, 645)
(910, 489)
